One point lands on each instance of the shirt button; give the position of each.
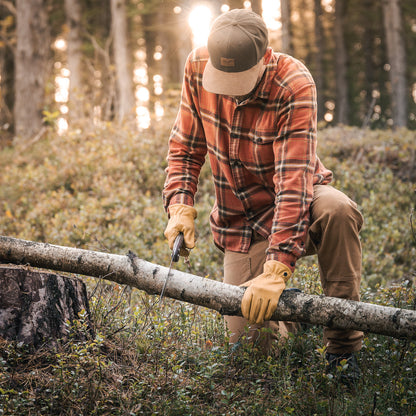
(235, 162)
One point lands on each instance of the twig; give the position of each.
(369, 112)
(35, 139)
(9, 6)
(114, 308)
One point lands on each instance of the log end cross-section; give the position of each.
(36, 307)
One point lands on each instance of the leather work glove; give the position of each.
(263, 292)
(181, 220)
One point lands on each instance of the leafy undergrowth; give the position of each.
(378, 170)
(100, 189)
(174, 359)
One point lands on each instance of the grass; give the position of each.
(100, 189)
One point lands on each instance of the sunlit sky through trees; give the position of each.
(201, 16)
(199, 19)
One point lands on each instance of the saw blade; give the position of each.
(177, 245)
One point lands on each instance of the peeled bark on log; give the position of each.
(226, 299)
(35, 307)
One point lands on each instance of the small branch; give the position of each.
(9, 6)
(36, 138)
(370, 111)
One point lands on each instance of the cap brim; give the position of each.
(230, 83)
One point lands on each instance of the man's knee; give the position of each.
(334, 207)
(348, 288)
(346, 212)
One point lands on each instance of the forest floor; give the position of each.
(100, 189)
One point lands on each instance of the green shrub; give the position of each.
(100, 189)
(174, 359)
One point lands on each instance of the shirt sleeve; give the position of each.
(295, 160)
(187, 144)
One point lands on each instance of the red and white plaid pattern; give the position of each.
(262, 153)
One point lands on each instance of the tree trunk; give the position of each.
(393, 27)
(368, 41)
(73, 18)
(125, 101)
(286, 27)
(236, 4)
(183, 36)
(7, 51)
(150, 32)
(256, 7)
(341, 106)
(6, 88)
(171, 73)
(32, 52)
(35, 307)
(224, 298)
(319, 58)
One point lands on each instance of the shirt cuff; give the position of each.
(288, 259)
(182, 198)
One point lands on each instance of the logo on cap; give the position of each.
(228, 62)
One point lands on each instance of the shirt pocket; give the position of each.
(259, 152)
(262, 137)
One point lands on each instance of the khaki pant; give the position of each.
(333, 236)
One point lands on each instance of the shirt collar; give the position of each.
(263, 88)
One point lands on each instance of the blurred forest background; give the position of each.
(89, 90)
(62, 61)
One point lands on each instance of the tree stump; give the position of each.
(38, 308)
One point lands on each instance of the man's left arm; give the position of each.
(295, 159)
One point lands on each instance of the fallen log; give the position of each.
(226, 299)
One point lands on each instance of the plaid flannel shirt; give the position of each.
(262, 153)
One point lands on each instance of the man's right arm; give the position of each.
(187, 145)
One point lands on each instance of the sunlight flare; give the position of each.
(271, 14)
(62, 89)
(200, 20)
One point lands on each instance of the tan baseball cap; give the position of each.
(236, 45)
